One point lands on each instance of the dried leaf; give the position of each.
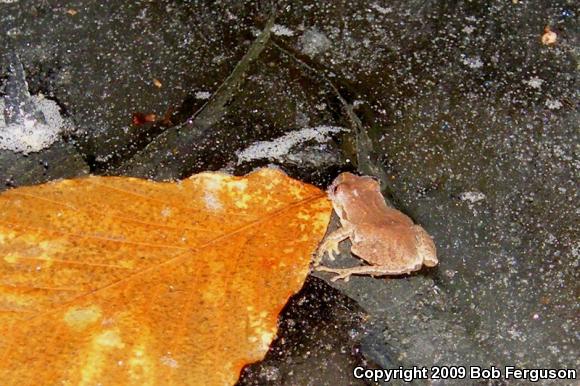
(122, 281)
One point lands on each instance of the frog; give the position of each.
(382, 236)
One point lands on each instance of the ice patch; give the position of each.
(314, 42)
(279, 147)
(468, 29)
(472, 197)
(576, 250)
(553, 104)
(32, 135)
(202, 95)
(381, 9)
(534, 82)
(474, 62)
(281, 30)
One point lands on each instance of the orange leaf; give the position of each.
(123, 281)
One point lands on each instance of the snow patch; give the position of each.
(202, 95)
(474, 62)
(553, 104)
(472, 197)
(314, 42)
(31, 135)
(534, 82)
(281, 30)
(380, 9)
(468, 29)
(279, 147)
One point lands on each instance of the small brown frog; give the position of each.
(382, 236)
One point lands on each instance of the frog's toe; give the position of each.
(330, 247)
(340, 273)
(333, 250)
(343, 276)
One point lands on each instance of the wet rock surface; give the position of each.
(467, 117)
(61, 160)
(318, 343)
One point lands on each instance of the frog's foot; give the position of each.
(330, 244)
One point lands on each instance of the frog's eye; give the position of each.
(334, 189)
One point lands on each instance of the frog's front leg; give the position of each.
(330, 243)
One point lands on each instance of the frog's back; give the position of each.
(360, 201)
(393, 248)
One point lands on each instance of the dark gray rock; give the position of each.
(317, 344)
(60, 160)
(467, 118)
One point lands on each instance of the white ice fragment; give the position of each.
(468, 29)
(281, 30)
(474, 62)
(576, 250)
(279, 147)
(103, 158)
(31, 135)
(534, 82)
(202, 95)
(472, 197)
(381, 9)
(314, 42)
(553, 104)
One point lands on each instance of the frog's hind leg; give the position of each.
(330, 244)
(344, 273)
